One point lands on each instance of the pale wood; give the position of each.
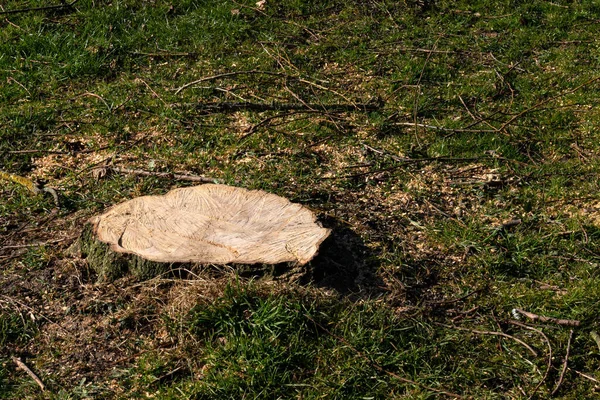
(212, 224)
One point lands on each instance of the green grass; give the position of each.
(415, 129)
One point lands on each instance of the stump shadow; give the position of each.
(343, 264)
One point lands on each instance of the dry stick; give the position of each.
(596, 338)
(377, 366)
(586, 376)
(413, 161)
(32, 310)
(21, 246)
(32, 151)
(542, 318)
(190, 178)
(493, 333)
(441, 128)
(259, 72)
(22, 10)
(25, 368)
(541, 103)
(549, 363)
(265, 121)
(564, 368)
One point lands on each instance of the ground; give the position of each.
(451, 147)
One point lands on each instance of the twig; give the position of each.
(152, 90)
(96, 96)
(25, 368)
(548, 364)
(541, 103)
(22, 10)
(586, 376)
(441, 128)
(596, 338)
(34, 151)
(458, 299)
(493, 333)
(412, 161)
(250, 131)
(377, 366)
(565, 362)
(21, 246)
(163, 54)
(259, 72)
(542, 318)
(191, 178)
(260, 107)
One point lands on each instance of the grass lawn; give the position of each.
(450, 145)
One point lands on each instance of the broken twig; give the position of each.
(25, 368)
(23, 10)
(493, 333)
(564, 367)
(548, 364)
(191, 178)
(535, 317)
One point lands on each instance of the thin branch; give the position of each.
(564, 367)
(250, 131)
(441, 128)
(269, 73)
(191, 178)
(586, 376)
(596, 338)
(260, 107)
(23, 10)
(535, 317)
(34, 151)
(549, 362)
(25, 368)
(541, 103)
(413, 161)
(493, 333)
(22, 246)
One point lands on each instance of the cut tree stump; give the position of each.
(202, 225)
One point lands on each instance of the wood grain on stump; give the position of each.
(207, 224)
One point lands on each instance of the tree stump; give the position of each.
(202, 225)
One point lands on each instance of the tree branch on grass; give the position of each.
(564, 367)
(549, 362)
(493, 333)
(269, 73)
(191, 178)
(29, 372)
(535, 317)
(24, 10)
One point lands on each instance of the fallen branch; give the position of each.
(22, 246)
(226, 106)
(22, 10)
(549, 99)
(565, 362)
(549, 362)
(250, 131)
(25, 368)
(596, 338)
(441, 128)
(586, 376)
(191, 178)
(493, 333)
(535, 317)
(404, 161)
(259, 72)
